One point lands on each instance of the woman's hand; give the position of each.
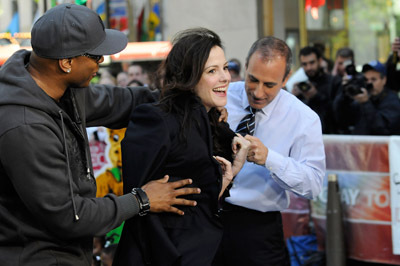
(240, 147)
(224, 114)
(227, 175)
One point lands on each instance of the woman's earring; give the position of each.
(68, 70)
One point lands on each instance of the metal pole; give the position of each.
(302, 24)
(260, 18)
(107, 9)
(335, 248)
(132, 36)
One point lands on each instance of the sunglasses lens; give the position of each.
(97, 58)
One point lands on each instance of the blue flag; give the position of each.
(13, 27)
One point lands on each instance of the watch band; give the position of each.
(144, 204)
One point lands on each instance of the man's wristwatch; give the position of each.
(143, 200)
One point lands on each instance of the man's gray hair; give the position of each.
(271, 47)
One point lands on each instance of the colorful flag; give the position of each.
(101, 10)
(154, 22)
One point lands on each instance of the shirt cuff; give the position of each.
(275, 162)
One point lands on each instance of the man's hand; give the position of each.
(362, 97)
(163, 195)
(307, 94)
(257, 153)
(311, 92)
(295, 90)
(224, 114)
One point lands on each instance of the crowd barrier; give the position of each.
(368, 170)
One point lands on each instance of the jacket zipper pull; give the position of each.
(88, 173)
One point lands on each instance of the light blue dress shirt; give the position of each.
(296, 158)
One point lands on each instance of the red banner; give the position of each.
(362, 166)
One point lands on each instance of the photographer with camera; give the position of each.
(344, 65)
(364, 106)
(316, 92)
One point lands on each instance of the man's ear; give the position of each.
(286, 79)
(288, 75)
(65, 65)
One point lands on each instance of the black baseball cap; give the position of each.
(69, 30)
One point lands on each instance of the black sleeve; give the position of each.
(345, 111)
(111, 106)
(35, 163)
(393, 75)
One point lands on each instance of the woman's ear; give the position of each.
(65, 65)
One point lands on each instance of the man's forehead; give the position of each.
(135, 68)
(258, 56)
(341, 58)
(372, 73)
(309, 57)
(271, 69)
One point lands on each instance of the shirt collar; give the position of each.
(266, 110)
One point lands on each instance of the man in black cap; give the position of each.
(49, 213)
(365, 106)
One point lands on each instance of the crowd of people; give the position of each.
(348, 101)
(207, 162)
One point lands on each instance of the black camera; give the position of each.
(304, 86)
(354, 85)
(350, 68)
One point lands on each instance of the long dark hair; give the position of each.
(182, 70)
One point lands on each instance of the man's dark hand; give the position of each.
(163, 194)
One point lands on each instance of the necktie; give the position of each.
(247, 124)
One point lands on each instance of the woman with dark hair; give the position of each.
(181, 136)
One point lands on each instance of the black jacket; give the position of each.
(380, 115)
(152, 148)
(393, 74)
(49, 213)
(321, 103)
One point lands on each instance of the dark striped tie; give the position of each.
(247, 124)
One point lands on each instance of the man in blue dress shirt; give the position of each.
(286, 154)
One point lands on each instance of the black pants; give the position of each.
(251, 238)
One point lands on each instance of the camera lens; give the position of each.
(304, 86)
